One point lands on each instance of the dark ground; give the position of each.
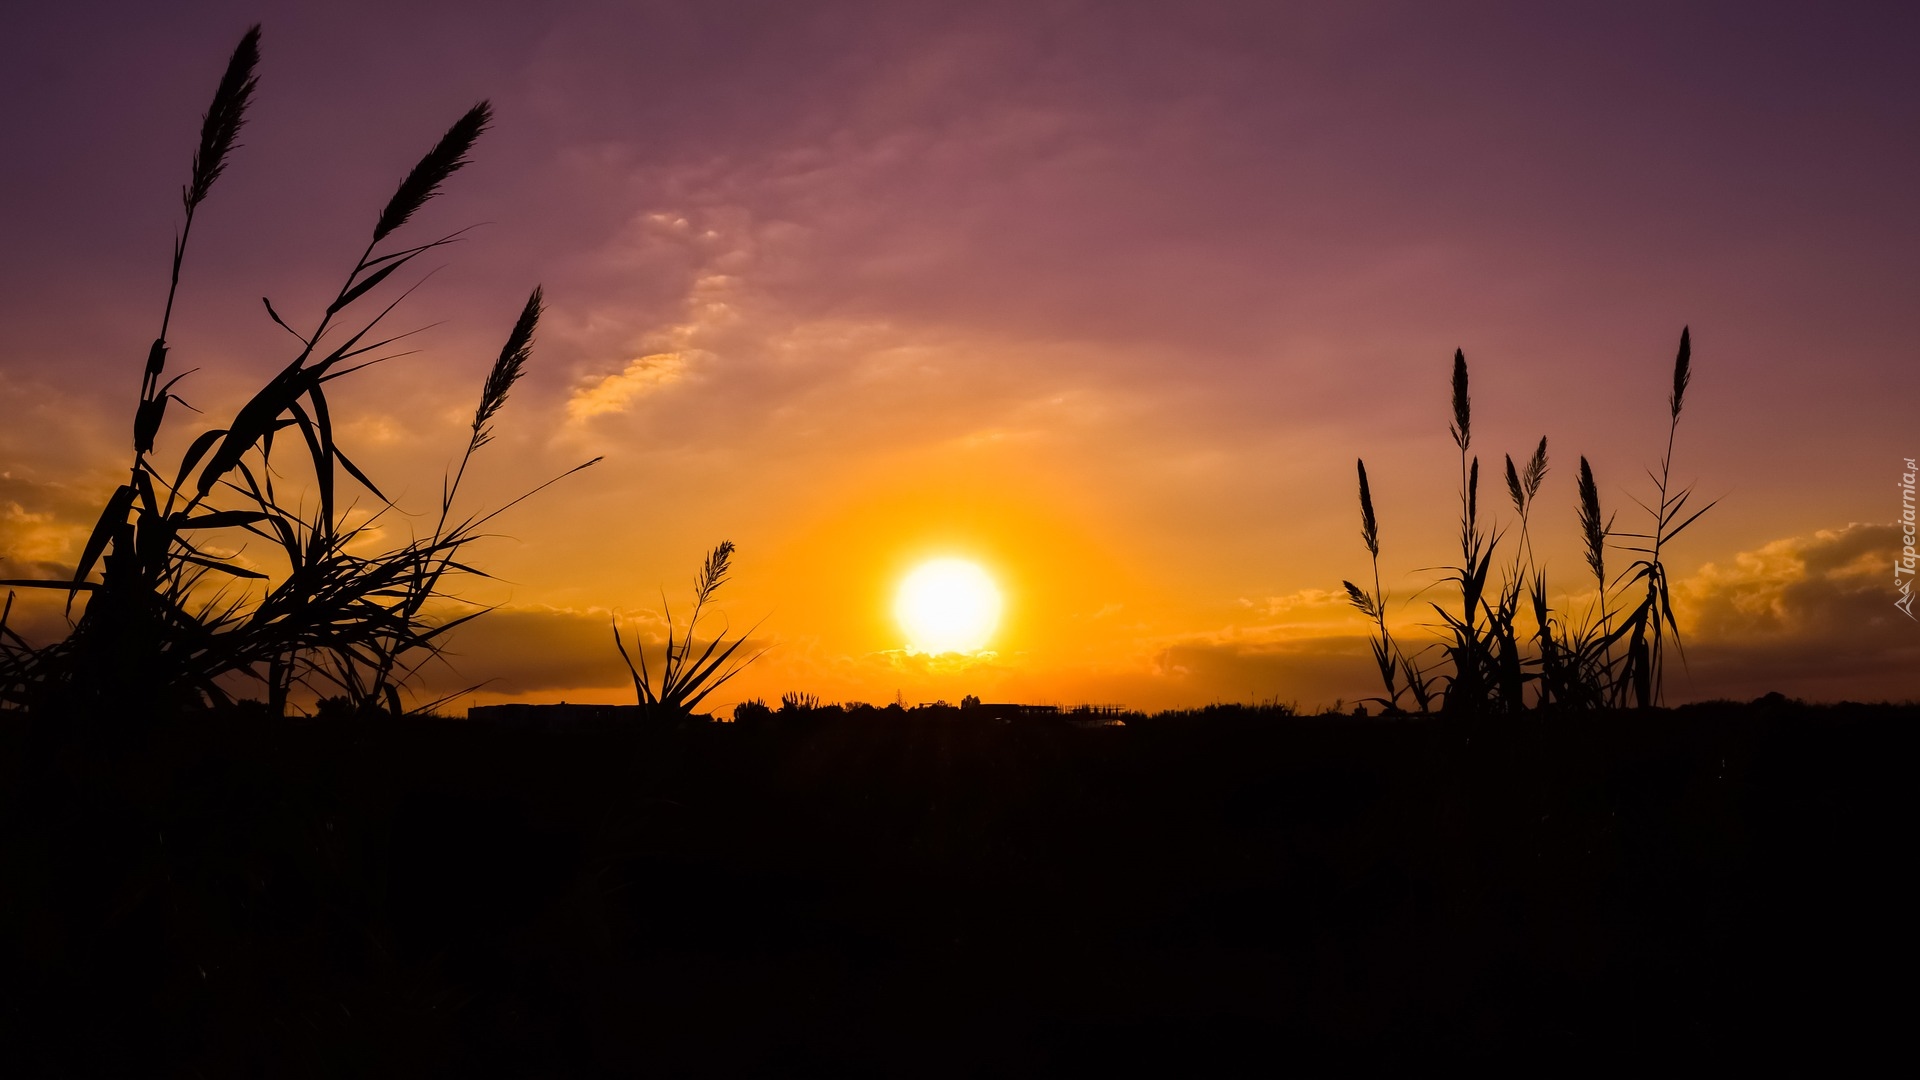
(948, 898)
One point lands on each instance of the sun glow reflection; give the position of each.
(947, 606)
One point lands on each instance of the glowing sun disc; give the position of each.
(947, 605)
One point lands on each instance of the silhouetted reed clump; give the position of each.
(1610, 657)
(177, 617)
(684, 679)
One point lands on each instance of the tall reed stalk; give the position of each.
(1523, 485)
(1647, 625)
(1392, 662)
(1374, 604)
(1467, 687)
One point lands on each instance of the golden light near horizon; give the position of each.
(947, 606)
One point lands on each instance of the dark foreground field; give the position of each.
(945, 898)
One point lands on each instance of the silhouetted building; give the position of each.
(1007, 712)
(561, 717)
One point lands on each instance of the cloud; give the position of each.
(1305, 607)
(32, 540)
(684, 302)
(43, 525)
(643, 375)
(1299, 648)
(1809, 616)
(541, 653)
(527, 650)
(1310, 672)
(1835, 583)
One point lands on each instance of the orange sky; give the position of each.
(1106, 297)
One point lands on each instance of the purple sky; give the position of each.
(1138, 280)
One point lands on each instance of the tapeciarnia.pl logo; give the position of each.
(1903, 566)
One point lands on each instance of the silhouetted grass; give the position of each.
(1576, 664)
(170, 622)
(1651, 619)
(684, 679)
(1373, 604)
(1489, 666)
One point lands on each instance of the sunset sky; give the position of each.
(1104, 297)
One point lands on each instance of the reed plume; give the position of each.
(508, 368)
(1462, 406)
(1682, 371)
(1523, 484)
(1369, 526)
(1360, 599)
(1473, 497)
(224, 119)
(1591, 527)
(447, 157)
(713, 573)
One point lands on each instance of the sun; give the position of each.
(947, 606)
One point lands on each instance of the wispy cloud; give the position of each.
(642, 376)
